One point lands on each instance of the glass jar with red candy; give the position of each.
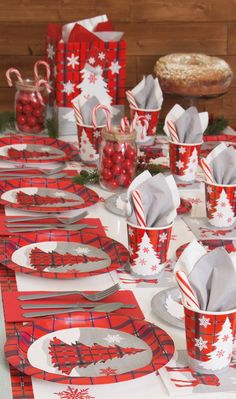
(30, 106)
(117, 160)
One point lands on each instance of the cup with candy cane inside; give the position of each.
(30, 100)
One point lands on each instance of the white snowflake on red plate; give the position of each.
(163, 237)
(74, 393)
(200, 343)
(68, 88)
(115, 67)
(179, 164)
(113, 339)
(204, 321)
(182, 150)
(73, 60)
(108, 371)
(50, 51)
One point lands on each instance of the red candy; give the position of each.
(32, 121)
(21, 119)
(117, 165)
(27, 109)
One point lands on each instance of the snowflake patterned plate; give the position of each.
(116, 204)
(46, 195)
(31, 149)
(63, 254)
(229, 245)
(89, 348)
(167, 306)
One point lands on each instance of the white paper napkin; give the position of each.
(222, 163)
(148, 93)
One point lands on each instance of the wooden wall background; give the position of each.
(152, 28)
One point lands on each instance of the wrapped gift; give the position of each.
(85, 58)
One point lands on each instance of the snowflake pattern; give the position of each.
(68, 88)
(91, 60)
(92, 78)
(225, 338)
(179, 164)
(182, 150)
(148, 117)
(73, 60)
(96, 134)
(74, 393)
(204, 321)
(114, 67)
(131, 232)
(163, 237)
(113, 339)
(220, 353)
(108, 371)
(154, 268)
(200, 343)
(101, 55)
(145, 250)
(131, 251)
(50, 51)
(142, 262)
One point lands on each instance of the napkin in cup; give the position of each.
(222, 163)
(211, 275)
(86, 111)
(190, 124)
(160, 199)
(147, 93)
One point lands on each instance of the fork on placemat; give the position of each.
(96, 296)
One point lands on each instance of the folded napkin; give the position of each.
(159, 196)
(190, 125)
(147, 94)
(86, 110)
(222, 164)
(211, 275)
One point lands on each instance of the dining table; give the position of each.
(15, 385)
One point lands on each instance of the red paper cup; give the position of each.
(152, 116)
(184, 160)
(220, 204)
(148, 249)
(209, 338)
(89, 139)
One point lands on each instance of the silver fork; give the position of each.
(47, 172)
(66, 221)
(38, 227)
(22, 176)
(94, 297)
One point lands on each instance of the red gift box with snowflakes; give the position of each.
(68, 57)
(184, 160)
(220, 204)
(209, 338)
(148, 249)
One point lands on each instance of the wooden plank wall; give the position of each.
(152, 28)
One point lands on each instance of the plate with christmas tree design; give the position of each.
(167, 306)
(32, 149)
(63, 254)
(89, 348)
(46, 195)
(229, 245)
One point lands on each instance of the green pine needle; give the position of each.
(7, 120)
(52, 126)
(86, 177)
(216, 126)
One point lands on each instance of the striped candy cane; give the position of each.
(186, 290)
(173, 132)
(145, 125)
(78, 116)
(124, 124)
(207, 170)
(47, 68)
(138, 208)
(108, 115)
(8, 76)
(45, 83)
(131, 99)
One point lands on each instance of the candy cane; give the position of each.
(131, 99)
(173, 131)
(186, 290)
(145, 125)
(124, 124)
(138, 208)
(45, 83)
(16, 72)
(78, 116)
(36, 65)
(108, 115)
(207, 170)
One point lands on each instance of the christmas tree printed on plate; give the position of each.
(220, 205)
(53, 256)
(28, 151)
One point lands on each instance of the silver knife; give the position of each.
(74, 305)
(100, 308)
(46, 227)
(22, 176)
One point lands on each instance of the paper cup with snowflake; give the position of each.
(143, 134)
(184, 160)
(148, 247)
(221, 204)
(209, 338)
(89, 139)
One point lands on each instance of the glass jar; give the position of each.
(30, 107)
(117, 159)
